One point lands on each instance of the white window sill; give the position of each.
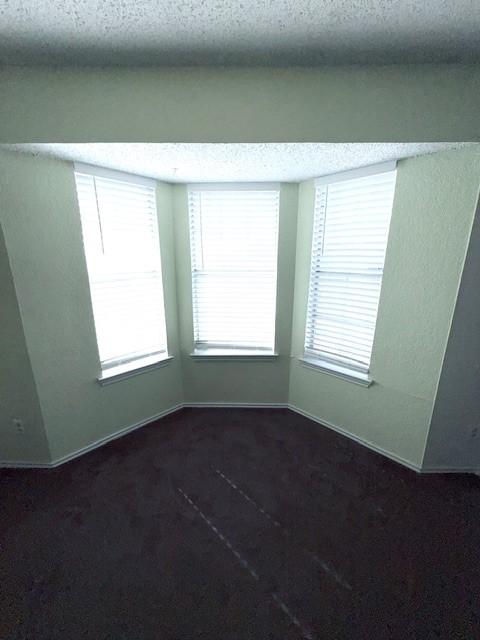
(350, 375)
(135, 368)
(237, 355)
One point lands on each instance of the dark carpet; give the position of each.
(235, 524)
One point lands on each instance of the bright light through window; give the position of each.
(351, 222)
(234, 240)
(120, 233)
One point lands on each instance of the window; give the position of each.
(234, 238)
(351, 221)
(120, 234)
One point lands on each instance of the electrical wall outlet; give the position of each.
(18, 425)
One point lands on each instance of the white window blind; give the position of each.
(234, 239)
(120, 234)
(351, 222)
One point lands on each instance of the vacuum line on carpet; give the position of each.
(327, 567)
(220, 535)
(252, 501)
(293, 618)
(276, 598)
(330, 569)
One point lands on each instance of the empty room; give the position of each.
(239, 320)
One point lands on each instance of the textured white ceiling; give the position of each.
(252, 32)
(287, 162)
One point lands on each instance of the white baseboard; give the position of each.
(93, 445)
(392, 456)
(114, 436)
(362, 441)
(474, 470)
(233, 405)
(118, 434)
(24, 464)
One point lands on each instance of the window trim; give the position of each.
(204, 351)
(126, 368)
(133, 368)
(318, 362)
(330, 368)
(219, 355)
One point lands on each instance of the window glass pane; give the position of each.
(351, 223)
(120, 233)
(234, 238)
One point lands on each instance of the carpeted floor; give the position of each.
(236, 524)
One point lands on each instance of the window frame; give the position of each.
(202, 350)
(317, 360)
(120, 368)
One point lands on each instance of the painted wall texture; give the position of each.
(18, 394)
(434, 206)
(337, 104)
(259, 381)
(454, 435)
(42, 229)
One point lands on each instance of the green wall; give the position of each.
(434, 205)
(326, 104)
(454, 436)
(432, 218)
(18, 394)
(225, 380)
(42, 230)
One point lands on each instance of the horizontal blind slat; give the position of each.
(350, 231)
(120, 233)
(234, 236)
